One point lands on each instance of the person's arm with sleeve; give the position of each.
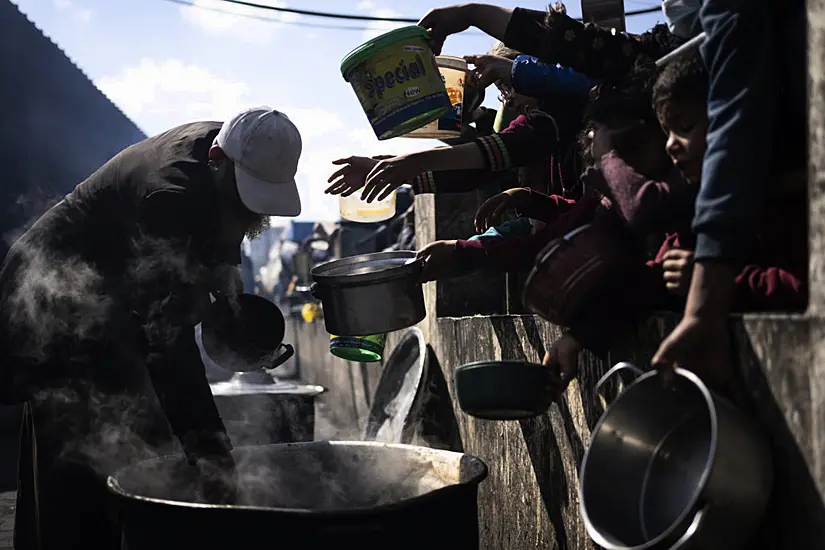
(461, 256)
(741, 60)
(553, 37)
(646, 205)
(456, 169)
(167, 300)
(524, 141)
(533, 78)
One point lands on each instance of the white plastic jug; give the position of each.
(352, 208)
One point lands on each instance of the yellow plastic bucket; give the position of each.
(397, 81)
(362, 349)
(453, 72)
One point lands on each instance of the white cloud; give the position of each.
(240, 22)
(376, 28)
(72, 10)
(160, 95)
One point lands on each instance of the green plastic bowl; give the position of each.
(503, 390)
(360, 349)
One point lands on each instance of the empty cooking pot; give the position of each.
(370, 293)
(672, 465)
(503, 390)
(244, 333)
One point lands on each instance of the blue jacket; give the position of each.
(538, 80)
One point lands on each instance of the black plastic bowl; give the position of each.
(503, 390)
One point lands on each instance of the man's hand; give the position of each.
(562, 361)
(489, 69)
(489, 214)
(701, 341)
(390, 174)
(442, 22)
(439, 260)
(351, 177)
(678, 270)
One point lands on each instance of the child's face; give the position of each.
(686, 124)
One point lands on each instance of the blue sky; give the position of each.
(165, 64)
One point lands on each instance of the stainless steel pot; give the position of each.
(370, 293)
(258, 410)
(320, 494)
(673, 466)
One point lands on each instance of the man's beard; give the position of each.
(257, 225)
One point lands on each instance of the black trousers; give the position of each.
(73, 436)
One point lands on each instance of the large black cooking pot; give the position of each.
(245, 333)
(311, 495)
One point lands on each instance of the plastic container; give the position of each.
(453, 72)
(354, 209)
(361, 349)
(397, 81)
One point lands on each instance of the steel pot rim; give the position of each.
(691, 508)
(114, 487)
(319, 272)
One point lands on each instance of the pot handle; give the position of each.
(617, 368)
(315, 290)
(691, 530)
(288, 352)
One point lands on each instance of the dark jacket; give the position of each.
(99, 302)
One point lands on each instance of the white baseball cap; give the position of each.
(265, 147)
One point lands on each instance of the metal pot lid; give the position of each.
(397, 398)
(239, 386)
(365, 268)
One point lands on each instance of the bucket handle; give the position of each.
(694, 526)
(616, 369)
(288, 352)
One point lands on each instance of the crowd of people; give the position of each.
(693, 165)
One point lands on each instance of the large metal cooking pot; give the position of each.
(370, 293)
(245, 333)
(316, 495)
(257, 409)
(673, 466)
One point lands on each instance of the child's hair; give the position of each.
(629, 98)
(500, 50)
(683, 79)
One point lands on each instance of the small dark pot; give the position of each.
(245, 333)
(503, 390)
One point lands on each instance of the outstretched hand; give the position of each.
(351, 177)
(489, 214)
